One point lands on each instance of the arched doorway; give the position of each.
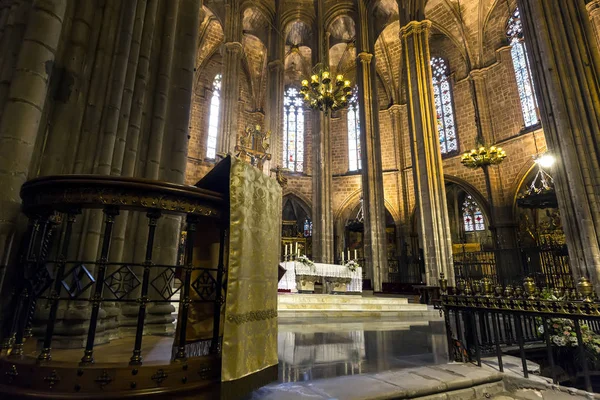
(353, 239)
(296, 226)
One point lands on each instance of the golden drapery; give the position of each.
(250, 330)
(249, 315)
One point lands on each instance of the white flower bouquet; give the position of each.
(352, 265)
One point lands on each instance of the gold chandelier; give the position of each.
(483, 156)
(325, 94)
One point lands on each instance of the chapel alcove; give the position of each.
(296, 225)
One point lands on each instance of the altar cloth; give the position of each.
(323, 271)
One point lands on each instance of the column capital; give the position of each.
(415, 28)
(395, 109)
(233, 47)
(275, 64)
(593, 8)
(478, 74)
(364, 57)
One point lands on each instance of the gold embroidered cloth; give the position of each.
(250, 326)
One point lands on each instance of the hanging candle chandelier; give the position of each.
(324, 93)
(483, 156)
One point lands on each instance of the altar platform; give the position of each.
(291, 305)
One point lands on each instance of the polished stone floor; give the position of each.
(332, 358)
(311, 349)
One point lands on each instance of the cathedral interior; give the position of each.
(423, 175)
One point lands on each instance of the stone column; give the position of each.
(322, 217)
(375, 243)
(593, 8)
(275, 91)
(26, 101)
(274, 111)
(321, 157)
(62, 129)
(566, 64)
(230, 84)
(402, 161)
(426, 156)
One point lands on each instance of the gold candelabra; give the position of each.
(483, 156)
(324, 93)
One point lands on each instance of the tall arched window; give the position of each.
(354, 135)
(293, 131)
(443, 106)
(472, 216)
(520, 59)
(213, 119)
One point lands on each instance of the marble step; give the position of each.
(339, 299)
(352, 307)
(429, 315)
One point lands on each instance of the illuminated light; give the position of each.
(545, 160)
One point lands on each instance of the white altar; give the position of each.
(322, 273)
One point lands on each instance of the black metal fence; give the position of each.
(547, 264)
(563, 335)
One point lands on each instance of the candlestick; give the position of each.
(285, 250)
(296, 247)
(342, 257)
(348, 254)
(355, 252)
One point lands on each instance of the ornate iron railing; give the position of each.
(51, 277)
(547, 264)
(483, 318)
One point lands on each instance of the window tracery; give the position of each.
(213, 119)
(443, 106)
(522, 68)
(472, 216)
(293, 126)
(354, 159)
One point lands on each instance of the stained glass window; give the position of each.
(354, 135)
(520, 59)
(308, 225)
(213, 119)
(472, 216)
(293, 126)
(443, 106)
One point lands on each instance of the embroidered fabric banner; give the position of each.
(250, 326)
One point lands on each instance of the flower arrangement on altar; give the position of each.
(352, 265)
(306, 261)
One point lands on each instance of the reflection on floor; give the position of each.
(312, 349)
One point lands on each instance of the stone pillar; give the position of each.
(321, 157)
(372, 171)
(230, 84)
(426, 157)
(593, 8)
(322, 217)
(274, 111)
(275, 92)
(62, 129)
(26, 100)
(402, 182)
(566, 64)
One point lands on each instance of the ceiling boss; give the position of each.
(324, 93)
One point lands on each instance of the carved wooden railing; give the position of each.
(49, 276)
